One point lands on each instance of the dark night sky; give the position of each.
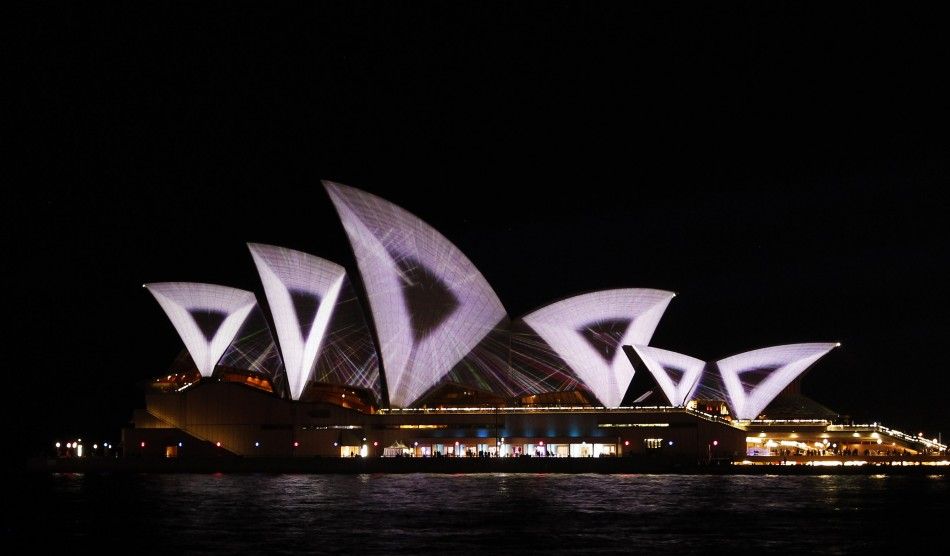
(777, 167)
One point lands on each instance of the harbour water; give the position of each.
(477, 513)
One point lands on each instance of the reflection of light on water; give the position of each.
(382, 510)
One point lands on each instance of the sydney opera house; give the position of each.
(415, 355)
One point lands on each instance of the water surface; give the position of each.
(479, 513)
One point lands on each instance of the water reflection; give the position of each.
(477, 513)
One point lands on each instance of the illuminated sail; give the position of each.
(753, 379)
(677, 374)
(206, 316)
(587, 331)
(302, 291)
(747, 382)
(430, 305)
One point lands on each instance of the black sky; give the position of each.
(779, 167)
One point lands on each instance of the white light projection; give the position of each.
(206, 316)
(677, 374)
(587, 331)
(776, 366)
(301, 291)
(430, 305)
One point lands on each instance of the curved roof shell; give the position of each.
(307, 296)
(429, 303)
(206, 316)
(587, 331)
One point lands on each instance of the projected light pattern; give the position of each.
(512, 361)
(485, 367)
(753, 379)
(747, 382)
(677, 374)
(348, 355)
(254, 349)
(301, 292)
(206, 316)
(430, 305)
(587, 330)
(536, 368)
(438, 325)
